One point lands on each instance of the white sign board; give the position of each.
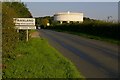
(24, 23)
(25, 27)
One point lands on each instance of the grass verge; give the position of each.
(37, 59)
(92, 37)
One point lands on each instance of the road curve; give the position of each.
(94, 59)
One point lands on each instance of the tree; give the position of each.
(10, 36)
(44, 22)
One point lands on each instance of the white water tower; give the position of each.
(68, 17)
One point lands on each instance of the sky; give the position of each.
(70, 0)
(64, 0)
(94, 10)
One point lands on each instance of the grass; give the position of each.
(37, 59)
(31, 31)
(91, 36)
(95, 37)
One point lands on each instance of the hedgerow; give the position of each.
(95, 28)
(10, 36)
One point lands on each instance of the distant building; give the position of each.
(68, 17)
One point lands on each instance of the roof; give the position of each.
(75, 13)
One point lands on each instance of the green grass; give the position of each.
(91, 36)
(37, 59)
(31, 31)
(95, 37)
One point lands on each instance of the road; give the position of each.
(93, 58)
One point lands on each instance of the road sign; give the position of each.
(25, 27)
(24, 23)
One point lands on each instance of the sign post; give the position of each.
(24, 24)
(27, 35)
(18, 34)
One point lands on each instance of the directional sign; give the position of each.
(24, 23)
(25, 27)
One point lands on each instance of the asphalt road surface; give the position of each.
(94, 59)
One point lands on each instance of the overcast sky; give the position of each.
(94, 10)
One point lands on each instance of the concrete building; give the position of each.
(68, 17)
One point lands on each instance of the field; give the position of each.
(37, 59)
